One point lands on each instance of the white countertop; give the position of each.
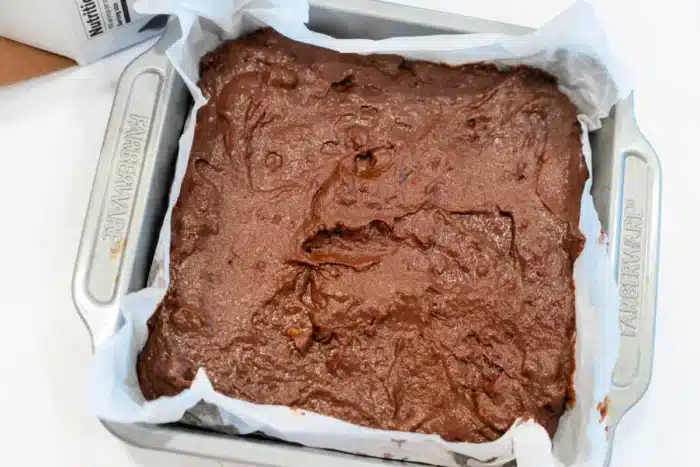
(51, 131)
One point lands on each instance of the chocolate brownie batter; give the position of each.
(383, 241)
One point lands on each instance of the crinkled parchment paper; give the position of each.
(571, 47)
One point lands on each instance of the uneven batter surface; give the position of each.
(382, 241)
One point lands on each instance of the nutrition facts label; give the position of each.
(102, 16)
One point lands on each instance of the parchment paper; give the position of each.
(572, 47)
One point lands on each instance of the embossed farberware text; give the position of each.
(630, 267)
(122, 190)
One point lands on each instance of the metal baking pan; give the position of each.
(135, 170)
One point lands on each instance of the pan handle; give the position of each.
(135, 150)
(636, 250)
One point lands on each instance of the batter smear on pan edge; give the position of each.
(383, 241)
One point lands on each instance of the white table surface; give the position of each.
(50, 135)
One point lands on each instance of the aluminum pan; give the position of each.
(135, 169)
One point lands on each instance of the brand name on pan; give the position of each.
(630, 267)
(124, 181)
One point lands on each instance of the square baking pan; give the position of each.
(135, 171)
